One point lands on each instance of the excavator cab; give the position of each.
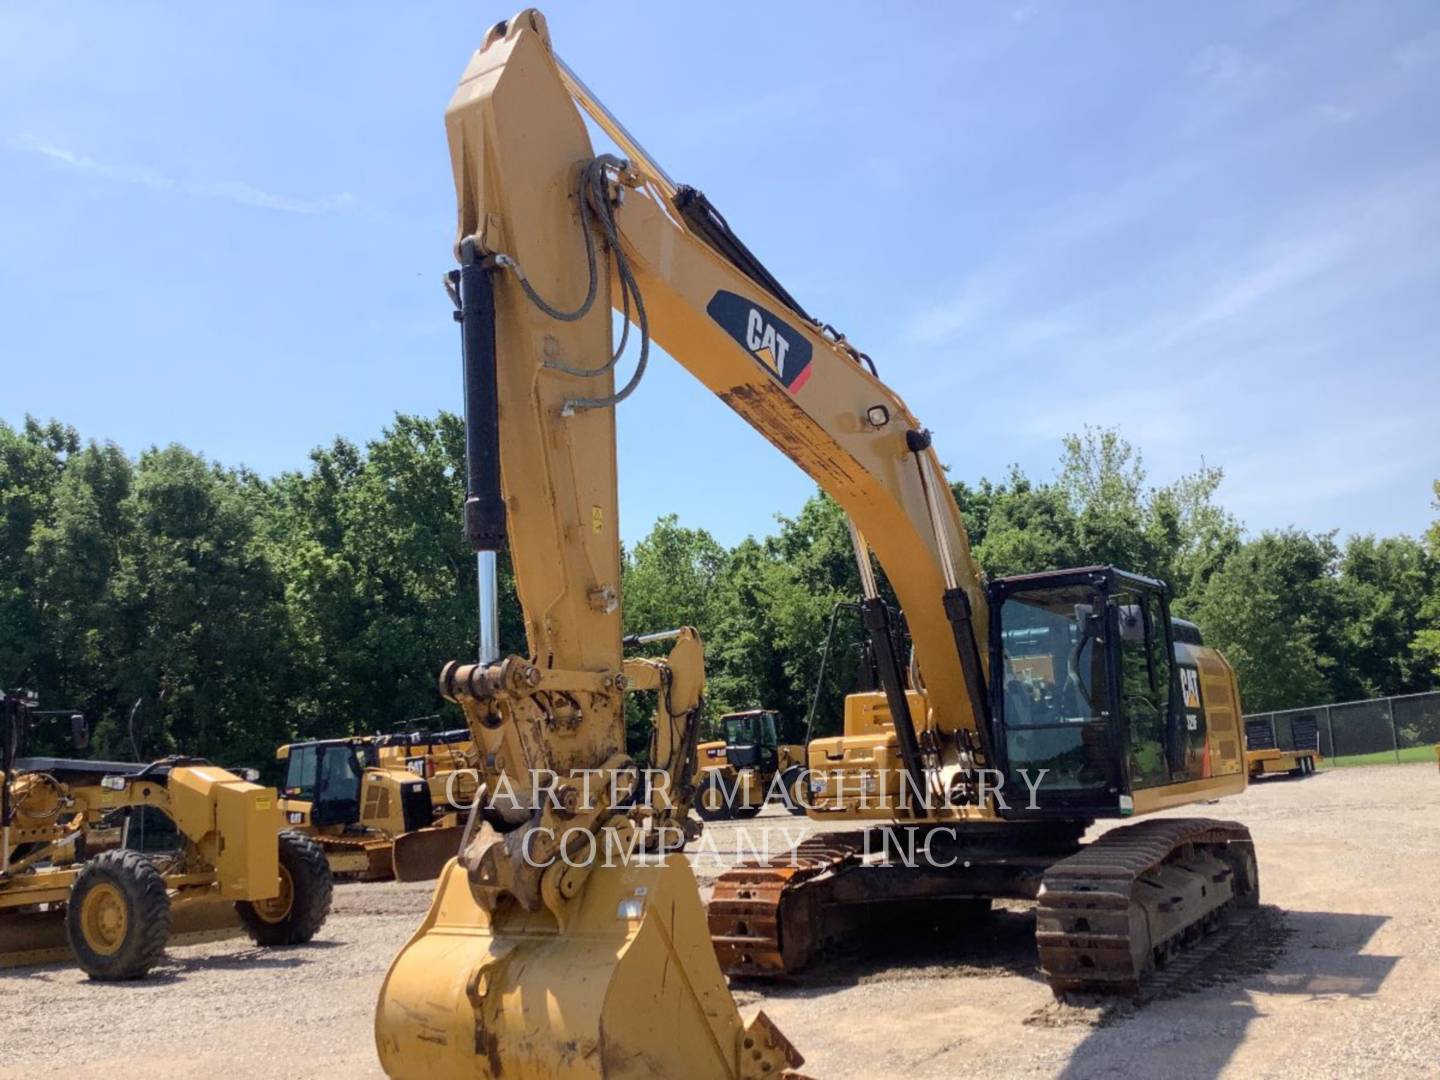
(328, 776)
(1084, 690)
(751, 740)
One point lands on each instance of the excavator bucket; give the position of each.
(421, 855)
(629, 987)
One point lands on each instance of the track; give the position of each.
(745, 912)
(1127, 915)
(1134, 911)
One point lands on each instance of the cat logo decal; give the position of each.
(774, 344)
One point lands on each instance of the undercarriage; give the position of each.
(1109, 914)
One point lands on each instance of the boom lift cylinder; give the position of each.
(484, 505)
(484, 522)
(875, 615)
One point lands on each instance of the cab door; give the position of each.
(337, 789)
(768, 743)
(1056, 729)
(1147, 684)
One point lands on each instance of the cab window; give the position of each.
(1053, 656)
(1144, 664)
(340, 774)
(300, 773)
(768, 737)
(738, 731)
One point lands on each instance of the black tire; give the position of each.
(745, 813)
(790, 778)
(120, 892)
(295, 918)
(712, 782)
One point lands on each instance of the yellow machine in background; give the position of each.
(739, 773)
(381, 806)
(445, 759)
(670, 782)
(1288, 743)
(548, 951)
(224, 859)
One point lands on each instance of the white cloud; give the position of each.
(1272, 269)
(1314, 456)
(227, 190)
(1419, 52)
(1219, 63)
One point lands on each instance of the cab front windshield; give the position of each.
(300, 773)
(1053, 666)
(751, 730)
(309, 764)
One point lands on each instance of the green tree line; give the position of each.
(243, 612)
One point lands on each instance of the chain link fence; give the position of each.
(1375, 731)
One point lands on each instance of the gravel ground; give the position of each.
(1340, 976)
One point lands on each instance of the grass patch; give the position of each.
(1409, 755)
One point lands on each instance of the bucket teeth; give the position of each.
(765, 1052)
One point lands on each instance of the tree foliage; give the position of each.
(243, 612)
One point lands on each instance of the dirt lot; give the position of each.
(1341, 978)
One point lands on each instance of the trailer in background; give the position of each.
(1282, 743)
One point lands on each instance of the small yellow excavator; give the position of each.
(212, 860)
(1031, 707)
(381, 806)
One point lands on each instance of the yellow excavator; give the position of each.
(1029, 708)
(669, 786)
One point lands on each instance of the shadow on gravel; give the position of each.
(175, 969)
(926, 942)
(1195, 1027)
(1288, 778)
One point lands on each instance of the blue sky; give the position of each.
(1216, 226)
